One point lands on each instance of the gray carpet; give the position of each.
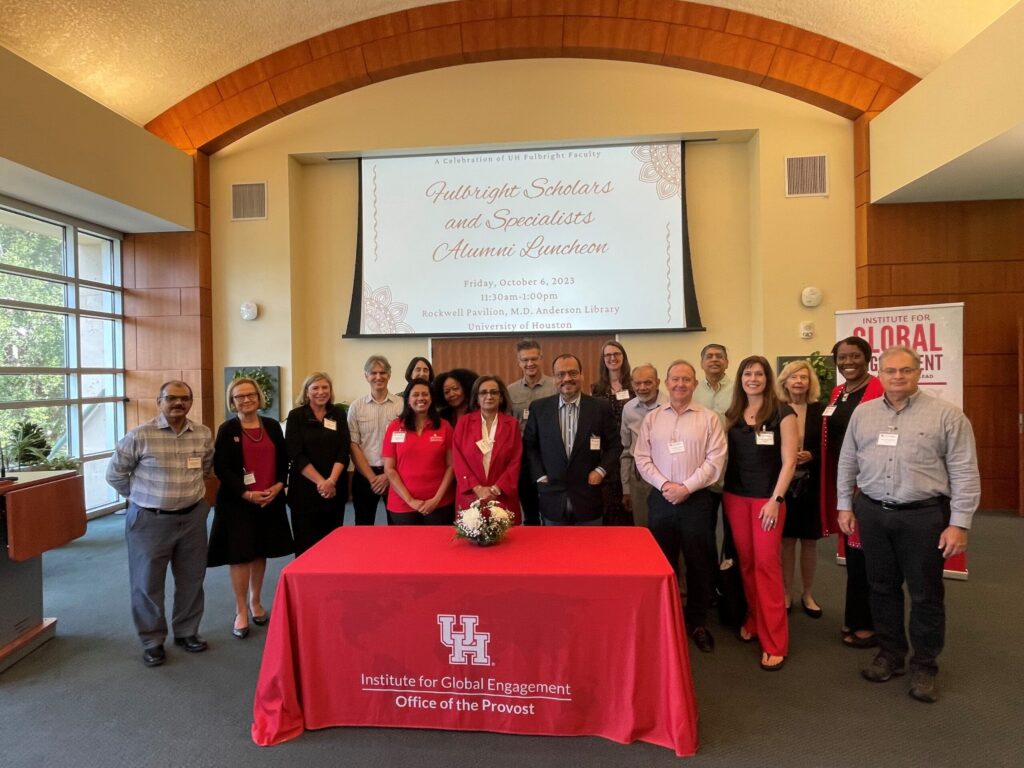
(85, 699)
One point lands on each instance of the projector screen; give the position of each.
(526, 242)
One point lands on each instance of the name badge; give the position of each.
(331, 424)
(194, 462)
(595, 443)
(483, 445)
(622, 394)
(526, 413)
(398, 437)
(828, 411)
(249, 478)
(888, 438)
(435, 438)
(764, 437)
(677, 447)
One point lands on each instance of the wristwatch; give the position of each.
(779, 499)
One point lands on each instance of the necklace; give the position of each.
(847, 391)
(245, 431)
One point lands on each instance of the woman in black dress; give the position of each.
(852, 356)
(614, 384)
(318, 446)
(799, 388)
(249, 520)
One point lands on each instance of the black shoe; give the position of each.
(853, 641)
(814, 613)
(703, 640)
(192, 643)
(882, 669)
(922, 686)
(261, 621)
(154, 657)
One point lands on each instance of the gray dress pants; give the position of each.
(154, 542)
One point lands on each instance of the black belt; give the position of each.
(892, 506)
(184, 511)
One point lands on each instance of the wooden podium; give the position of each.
(38, 512)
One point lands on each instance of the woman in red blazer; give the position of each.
(488, 449)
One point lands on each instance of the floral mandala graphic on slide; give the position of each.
(661, 167)
(381, 314)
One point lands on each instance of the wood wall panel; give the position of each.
(969, 251)
(497, 355)
(732, 44)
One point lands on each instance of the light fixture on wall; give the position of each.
(249, 310)
(810, 296)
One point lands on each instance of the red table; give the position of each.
(555, 631)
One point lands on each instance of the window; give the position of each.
(61, 344)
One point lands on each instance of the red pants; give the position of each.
(761, 568)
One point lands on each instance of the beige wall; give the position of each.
(63, 151)
(753, 249)
(975, 97)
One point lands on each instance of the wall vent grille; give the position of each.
(249, 201)
(807, 176)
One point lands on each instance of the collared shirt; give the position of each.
(160, 469)
(633, 414)
(367, 422)
(716, 400)
(687, 448)
(568, 418)
(523, 394)
(934, 455)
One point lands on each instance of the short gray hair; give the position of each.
(645, 365)
(680, 361)
(373, 360)
(900, 350)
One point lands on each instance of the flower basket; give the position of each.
(483, 524)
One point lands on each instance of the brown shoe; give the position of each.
(922, 686)
(703, 640)
(882, 669)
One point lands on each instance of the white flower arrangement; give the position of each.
(483, 523)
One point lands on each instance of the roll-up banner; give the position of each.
(936, 332)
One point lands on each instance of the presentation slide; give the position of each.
(558, 240)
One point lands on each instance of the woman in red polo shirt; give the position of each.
(417, 454)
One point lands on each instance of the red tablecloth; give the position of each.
(556, 631)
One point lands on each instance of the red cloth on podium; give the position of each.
(555, 631)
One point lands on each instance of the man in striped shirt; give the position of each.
(160, 467)
(368, 418)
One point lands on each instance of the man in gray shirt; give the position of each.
(911, 459)
(648, 397)
(160, 467)
(533, 386)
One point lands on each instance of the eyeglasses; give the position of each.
(176, 398)
(901, 371)
(489, 392)
(567, 374)
(612, 355)
(243, 398)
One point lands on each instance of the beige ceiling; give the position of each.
(139, 57)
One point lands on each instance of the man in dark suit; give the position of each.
(571, 443)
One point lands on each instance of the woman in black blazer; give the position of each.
(249, 520)
(318, 446)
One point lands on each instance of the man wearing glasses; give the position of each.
(160, 467)
(571, 443)
(908, 479)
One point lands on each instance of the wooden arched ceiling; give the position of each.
(717, 41)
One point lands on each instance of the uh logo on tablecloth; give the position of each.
(468, 646)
